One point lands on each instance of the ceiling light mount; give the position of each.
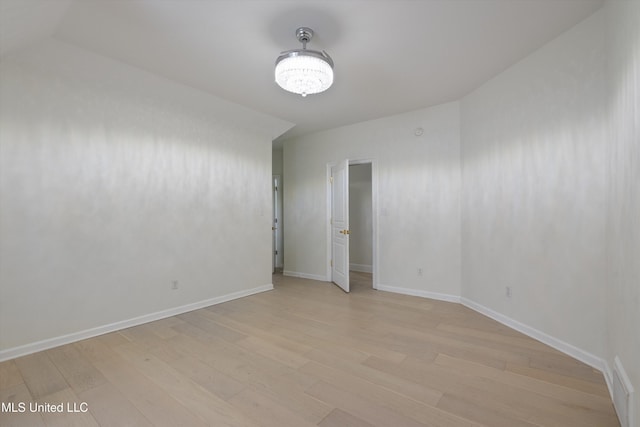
(304, 71)
(304, 36)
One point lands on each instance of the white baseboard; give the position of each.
(626, 419)
(569, 349)
(622, 394)
(305, 276)
(608, 377)
(362, 268)
(420, 293)
(26, 349)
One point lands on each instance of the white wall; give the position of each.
(360, 218)
(114, 183)
(277, 165)
(533, 184)
(418, 184)
(623, 226)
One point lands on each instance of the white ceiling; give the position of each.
(390, 56)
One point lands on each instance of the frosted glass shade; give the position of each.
(304, 74)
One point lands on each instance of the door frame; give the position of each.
(374, 217)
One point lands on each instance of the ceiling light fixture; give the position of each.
(304, 71)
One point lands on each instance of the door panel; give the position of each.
(340, 225)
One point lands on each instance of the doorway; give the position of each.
(352, 223)
(276, 226)
(361, 227)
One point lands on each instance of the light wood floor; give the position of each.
(308, 354)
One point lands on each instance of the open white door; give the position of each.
(340, 225)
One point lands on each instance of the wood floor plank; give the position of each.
(568, 395)
(72, 415)
(113, 339)
(496, 337)
(9, 375)
(300, 342)
(218, 383)
(494, 397)
(95, 349)
(372, 413)
(263, 331)
(539, 408)
(418, 392)
(341, 337)
(147, 397)
(197, 400)
(163, 328)
(40, 375)
(415, 337)
(469, 408)
(340, 418)
(79, 373)
(560, 364)
(214, 329)
(111, 408)
(18, 416)
(265, 411)
(278, 381)
(269, 350)
(243, 365)
(559, 379)
(145, 334)
(422, 412)
(324, 330)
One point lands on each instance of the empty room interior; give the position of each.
(320, 213)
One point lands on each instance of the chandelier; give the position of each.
(304, 71)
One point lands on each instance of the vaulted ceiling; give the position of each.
(390, 56)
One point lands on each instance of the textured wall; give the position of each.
(418, 182)
(533, 204)
(623, 227)
(114, 183)
(276, 162)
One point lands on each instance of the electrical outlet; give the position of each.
(419, 271)
(507, 291)
(174, 285)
